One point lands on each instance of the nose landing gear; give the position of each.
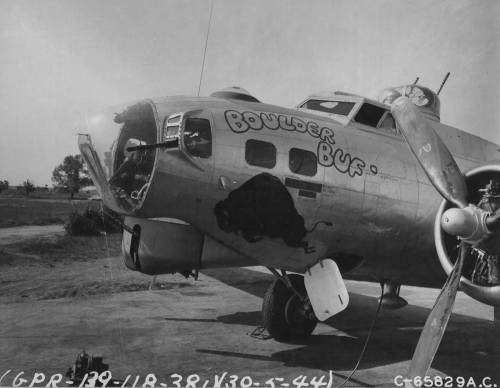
(287, 312)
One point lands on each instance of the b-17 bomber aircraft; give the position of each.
(339, 187)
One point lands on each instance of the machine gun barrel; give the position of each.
(165, 144)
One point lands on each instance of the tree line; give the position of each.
(71, 175)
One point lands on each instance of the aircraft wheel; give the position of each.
(284, 315)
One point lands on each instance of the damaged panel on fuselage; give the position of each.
(290, 130)
(287, 130)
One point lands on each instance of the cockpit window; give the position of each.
(342, 108)
(198, 137)
(369, 115)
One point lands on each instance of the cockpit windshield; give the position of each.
(342, 108)
(113, 148)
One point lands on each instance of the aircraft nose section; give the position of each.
(121, 170)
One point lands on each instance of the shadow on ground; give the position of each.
(467, 348)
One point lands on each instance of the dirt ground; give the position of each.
(58, 266)
(21, 233)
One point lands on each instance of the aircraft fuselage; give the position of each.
(288, 187)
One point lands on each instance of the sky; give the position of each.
(61, 59)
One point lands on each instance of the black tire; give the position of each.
(278, 309)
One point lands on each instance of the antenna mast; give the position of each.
(442, 83)
(206, 44)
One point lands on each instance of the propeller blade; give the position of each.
(437, 320)
(430, 151)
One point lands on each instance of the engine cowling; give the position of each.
(446, 245)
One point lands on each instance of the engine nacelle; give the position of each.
(446, 245)
(161, 246)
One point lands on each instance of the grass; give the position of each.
(53, 249)
(17, 211)
(40, 193)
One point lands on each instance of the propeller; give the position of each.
(436, 322)
(435, 158)
(466, 221)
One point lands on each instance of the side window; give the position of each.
(198, 137)
(303, 162)
(260, 153)
(369, 115)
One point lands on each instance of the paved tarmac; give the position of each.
(203, 327)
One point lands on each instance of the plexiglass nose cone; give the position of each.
(121, 173)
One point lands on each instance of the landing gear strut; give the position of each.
(287, 312)
(390, 297)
